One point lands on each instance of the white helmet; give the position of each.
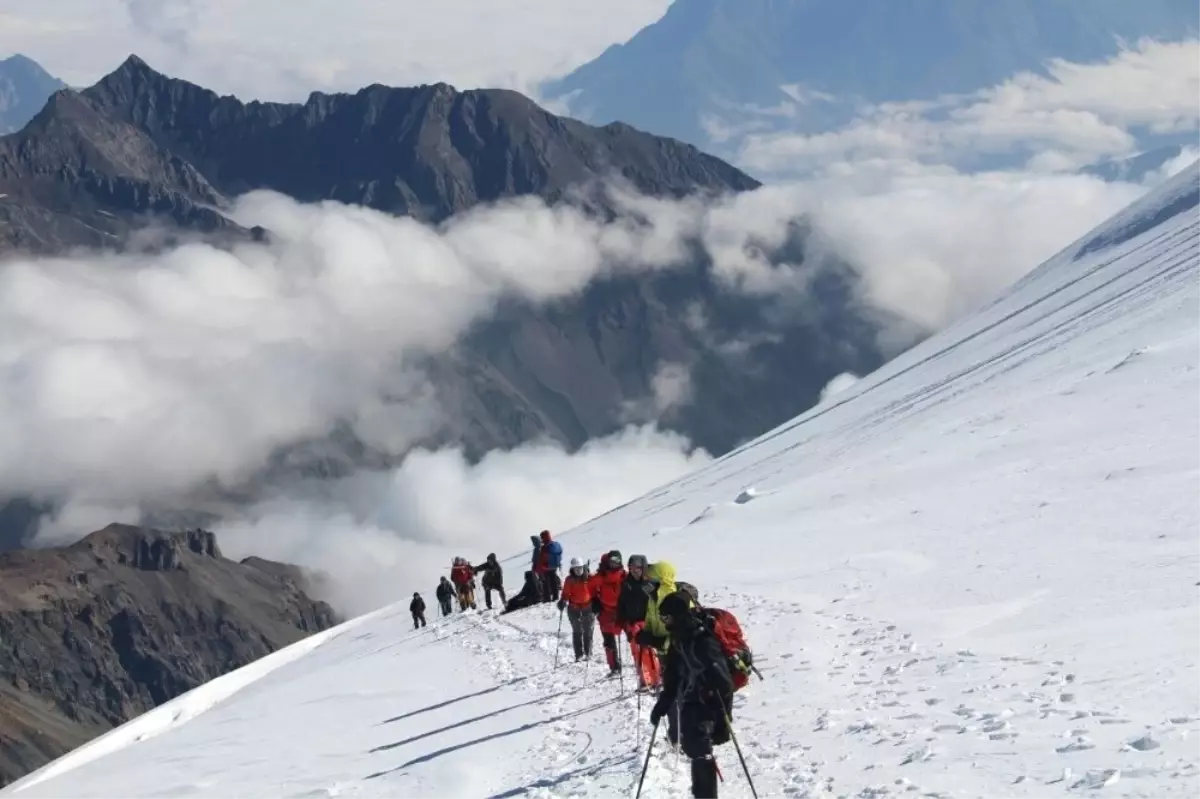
(576, 563)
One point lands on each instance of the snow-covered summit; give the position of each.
(972, 573)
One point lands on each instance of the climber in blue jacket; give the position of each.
(547, 562)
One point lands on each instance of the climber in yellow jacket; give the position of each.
(662, 574)
(644, 586)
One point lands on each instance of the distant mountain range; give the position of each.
(729, 59)
(24, 89)
(94, 165)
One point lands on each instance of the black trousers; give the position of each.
(487, 594)
(701, 727)
(551, 585)
(446, 608)
(418, 620)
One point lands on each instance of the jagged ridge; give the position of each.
(123, 620)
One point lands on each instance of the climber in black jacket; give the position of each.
(417, 608)
(696, 675)
(445, 593)
(493, 579)
(531, 594)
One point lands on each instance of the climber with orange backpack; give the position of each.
(723, 626)
(698, 686)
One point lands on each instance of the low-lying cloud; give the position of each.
(136, 380)
(1074, 115)
(136, 375)
(383, 535)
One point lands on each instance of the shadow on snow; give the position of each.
(493, 736)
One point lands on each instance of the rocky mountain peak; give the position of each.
(125, 619)
(150, 550)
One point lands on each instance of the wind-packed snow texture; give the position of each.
(972, 573)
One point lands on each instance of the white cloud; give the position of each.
(132, 376)
(130, 380)
(279, 50)
(127, 376)
(672, 387)
(1072, 116)
(382, 536)
(931, 243)
(940, 246)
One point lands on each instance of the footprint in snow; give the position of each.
(1142, 744)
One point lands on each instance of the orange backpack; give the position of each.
(725, 628)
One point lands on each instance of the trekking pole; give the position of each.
(620, 665)
(676, 745)
(738, 747)
(646, 765)
(558, 639)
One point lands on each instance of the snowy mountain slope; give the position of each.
(972, 573)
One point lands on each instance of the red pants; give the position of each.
(645, 658)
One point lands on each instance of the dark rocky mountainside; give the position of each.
(98, 632)
(426, 152)
(94, 165)
(76, 177)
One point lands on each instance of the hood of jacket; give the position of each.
(662, 573)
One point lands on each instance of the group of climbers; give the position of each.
(625, 601)
(542, 583)
(694, 657)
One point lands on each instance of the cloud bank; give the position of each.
(384, 535)
(131, 380)
(215, 359)
(1074, 115)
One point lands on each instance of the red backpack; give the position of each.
(725, 628)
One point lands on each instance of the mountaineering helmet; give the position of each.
(576, 563)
